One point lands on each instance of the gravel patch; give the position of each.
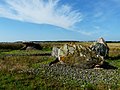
(67, 74)
(80, 76)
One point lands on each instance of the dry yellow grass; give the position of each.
(114, 45)
(114, 49)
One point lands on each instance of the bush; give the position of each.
(11, 46)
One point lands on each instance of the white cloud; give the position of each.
(97, 27)
(41, 12)
(98, 14)
(88, 33)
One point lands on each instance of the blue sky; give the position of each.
(49, 20)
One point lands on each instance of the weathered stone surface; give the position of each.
(80, 56)
(101, 48)
(77, 55)
(31, 46)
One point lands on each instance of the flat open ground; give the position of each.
(28, 70)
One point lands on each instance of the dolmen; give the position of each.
(80, 56)
(31, 46)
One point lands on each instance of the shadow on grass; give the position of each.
(115, 58)
(42, 54)
(106, 65)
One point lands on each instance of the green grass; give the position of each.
(12, 79)
(16, 72)
(115, 63)
(19, 52)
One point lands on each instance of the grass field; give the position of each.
(29, 70)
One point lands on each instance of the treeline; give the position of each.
(46, 45)
(113, 41)
(66, 41)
